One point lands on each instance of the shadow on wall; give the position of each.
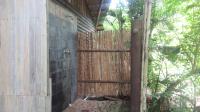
(62, 64)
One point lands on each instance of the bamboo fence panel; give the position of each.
(104, 63)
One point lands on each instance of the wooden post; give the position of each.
(136, 66)
(139, 54)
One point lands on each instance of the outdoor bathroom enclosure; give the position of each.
(39, 52)
(38, 59)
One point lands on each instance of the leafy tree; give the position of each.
(174, 51)
(118, 18)
(174, 46)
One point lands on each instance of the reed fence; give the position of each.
(104, 63)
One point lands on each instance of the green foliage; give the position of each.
(118, 19)
(170, 52)
(174, 50)
(174, 55)
(136, 8)
(121, 17)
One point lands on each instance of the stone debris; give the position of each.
(81, 105)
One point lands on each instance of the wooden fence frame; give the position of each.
(95, 44)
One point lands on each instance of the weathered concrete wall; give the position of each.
(23, 56)
(62, 29)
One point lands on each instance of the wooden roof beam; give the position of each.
(99, 13)
(103, 12)
(104, 5)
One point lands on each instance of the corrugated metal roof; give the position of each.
(94, 9)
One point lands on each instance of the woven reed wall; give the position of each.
(104, 63)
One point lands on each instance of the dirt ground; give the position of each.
(81, 105)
